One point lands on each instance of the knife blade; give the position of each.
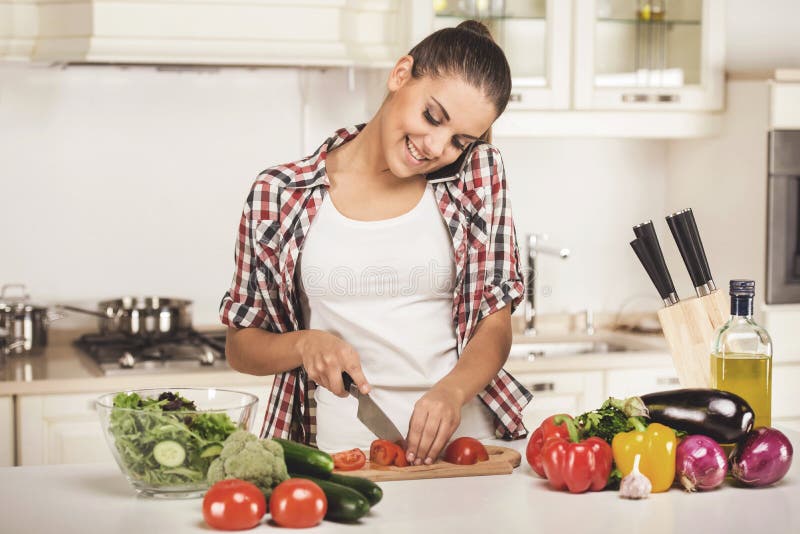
(369, 413)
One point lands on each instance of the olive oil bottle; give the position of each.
(741, 355)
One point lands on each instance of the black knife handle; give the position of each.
(646, 233)
(347, 382)
(649, 265)
(687, 237)
(694, 233)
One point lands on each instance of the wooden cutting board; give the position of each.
(502, 461)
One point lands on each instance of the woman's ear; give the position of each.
(401, 73)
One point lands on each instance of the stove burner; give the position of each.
(185, 350)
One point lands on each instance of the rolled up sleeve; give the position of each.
(244, 304)
(504, 284)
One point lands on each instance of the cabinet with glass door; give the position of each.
(535, 35)
(649, 54)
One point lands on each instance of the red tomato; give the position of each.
(466, 451)
(384, 452)
(349, 460)
(233, 504)
(297, 503)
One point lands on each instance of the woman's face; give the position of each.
(428, 122)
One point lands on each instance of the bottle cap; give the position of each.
(742, 288)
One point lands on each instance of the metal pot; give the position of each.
(23, 326)
(150, 317)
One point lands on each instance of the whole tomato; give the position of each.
(297, 503)
(465, 451)
(233, 504)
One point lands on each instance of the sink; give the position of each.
(548, 349)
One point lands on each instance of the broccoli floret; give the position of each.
(246, 457)
(613, 417)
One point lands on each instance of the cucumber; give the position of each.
(365, 487)
(212, 450)
(305, 460)
(344, 503)
(169, 453)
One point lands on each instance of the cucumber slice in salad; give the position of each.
(169, 453)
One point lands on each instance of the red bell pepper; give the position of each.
(577, 465)
(548, 429)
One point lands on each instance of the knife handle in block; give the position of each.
(688, 330)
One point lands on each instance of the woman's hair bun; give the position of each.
(476, 27)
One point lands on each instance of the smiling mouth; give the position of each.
(414, 152)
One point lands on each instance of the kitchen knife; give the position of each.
(683, 226)
(371, 414)
(659, 277)
(650, 254)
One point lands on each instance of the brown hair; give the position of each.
(468, 51)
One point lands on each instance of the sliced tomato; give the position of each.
(349, 460)
(466, 451)
(384, 452)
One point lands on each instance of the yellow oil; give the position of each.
(750, 377)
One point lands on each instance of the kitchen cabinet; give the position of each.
(535, 35)
(562, 392)
(6, 431)
(624, 383)
(203, 32)
(649, 54)
(577, 72)
(65, 429)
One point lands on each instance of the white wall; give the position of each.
(119, 181)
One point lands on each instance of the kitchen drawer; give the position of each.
(570, 393)
(65, 429)
(626, 383)
(6, 431)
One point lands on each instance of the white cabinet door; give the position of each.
(6, 431)
(569, 392)
(668, 56)
(65, 429)
(624, 383)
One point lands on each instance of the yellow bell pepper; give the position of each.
(656, 445)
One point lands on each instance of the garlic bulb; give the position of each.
(635, 485)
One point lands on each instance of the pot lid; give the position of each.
(16, 303)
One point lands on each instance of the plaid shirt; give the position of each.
(280, 209)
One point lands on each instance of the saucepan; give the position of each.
(150, 317)
(23, 326)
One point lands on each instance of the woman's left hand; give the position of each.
(436, 416)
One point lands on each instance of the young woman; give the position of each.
(389, 254)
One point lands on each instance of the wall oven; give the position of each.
(783, 218)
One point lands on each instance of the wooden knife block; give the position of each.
(689, 327)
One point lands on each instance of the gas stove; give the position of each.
(186, 350)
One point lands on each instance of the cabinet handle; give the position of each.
(667, 381)
(515, 97)
(638, 98)
(543, 386)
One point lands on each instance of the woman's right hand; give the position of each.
(326, 356)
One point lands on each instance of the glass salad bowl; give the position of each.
(165, 439)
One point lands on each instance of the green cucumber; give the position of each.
(305, 460)
(169, 453)
(210, 451)
(365, 487)
(344, 503)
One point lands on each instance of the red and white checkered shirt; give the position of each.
(471, 194)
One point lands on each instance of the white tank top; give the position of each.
(386, 287)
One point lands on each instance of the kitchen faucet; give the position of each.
(535, 247)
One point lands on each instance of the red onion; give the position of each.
(762, 458)
(700, 463)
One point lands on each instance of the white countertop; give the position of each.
(83, 499)
(63, 368)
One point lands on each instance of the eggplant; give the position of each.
(720, 415)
